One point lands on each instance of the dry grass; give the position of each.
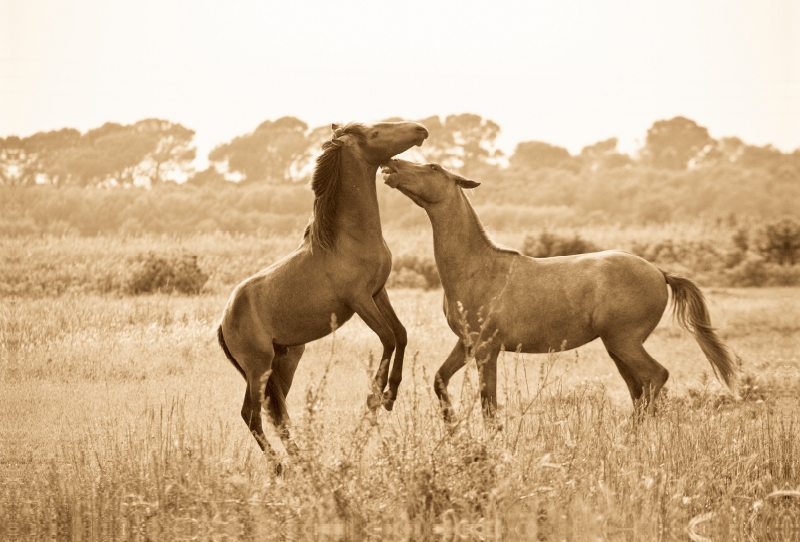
(119, 420)
(51, 265)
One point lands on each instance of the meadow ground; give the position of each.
(121, 413)
(119, 420)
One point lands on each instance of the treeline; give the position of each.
(515, 201)
(117, 179)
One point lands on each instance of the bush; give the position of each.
(779, 241)
(755, 270)
(751, 271)
(412, 271)
(167, 274)
(550, 244)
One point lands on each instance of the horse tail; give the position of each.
(221, 340)
(690, 310)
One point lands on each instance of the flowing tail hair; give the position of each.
(690, 310)
(271, 393)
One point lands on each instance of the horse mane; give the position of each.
(325, 182)
(484, 234)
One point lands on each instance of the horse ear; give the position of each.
(336, 130)
(466, 183)
(346, 140)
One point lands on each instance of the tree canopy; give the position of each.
(111, 154)
(268, 153)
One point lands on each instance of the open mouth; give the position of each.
(390, 166)
(390, 174)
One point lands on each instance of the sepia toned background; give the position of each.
(155, 154)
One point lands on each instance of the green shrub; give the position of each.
(548, 244)
(167, 274)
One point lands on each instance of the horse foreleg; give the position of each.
(486, 360)
(371, 315)
(455, 361)
(401, 339)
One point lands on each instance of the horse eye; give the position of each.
(374, 134)
(433, 167)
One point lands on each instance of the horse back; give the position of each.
(574, 298)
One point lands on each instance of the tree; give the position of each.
(671, 144)
(24, 160)
(112, 153)
(172, 150)
(537, 155)
(209, 176)
(268, 153)
(604, 154)
(463, 141)
(10, 161)
(108, 154)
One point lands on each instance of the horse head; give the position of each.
(377, 143)
(425, 184)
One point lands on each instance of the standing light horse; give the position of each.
(494, 296)
(339, 269)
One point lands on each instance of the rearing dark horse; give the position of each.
(339, 269)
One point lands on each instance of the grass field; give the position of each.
(119, 420)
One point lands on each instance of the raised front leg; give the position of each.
(455, 361)
(401, 339)
(368, 310)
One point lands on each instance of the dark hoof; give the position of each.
(388, 402)
(278, 469)
(291, 448)
(449, 416)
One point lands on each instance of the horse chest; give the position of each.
(467, 315)
(364, 269)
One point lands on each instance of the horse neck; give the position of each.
(357, 212)
(460, 246)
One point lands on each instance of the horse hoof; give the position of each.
(374, 401)
(291, 448)
(388, 402)
(279, 469)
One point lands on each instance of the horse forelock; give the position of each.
(325, 182)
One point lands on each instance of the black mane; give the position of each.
(325, 182)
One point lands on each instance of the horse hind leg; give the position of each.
(277, 388)
(644, 375)
(257, 371)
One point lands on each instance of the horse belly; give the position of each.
(306, 318)
(290, 302)
(537, 336)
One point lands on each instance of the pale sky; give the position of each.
(570, 73)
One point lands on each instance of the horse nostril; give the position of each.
(423, 130)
